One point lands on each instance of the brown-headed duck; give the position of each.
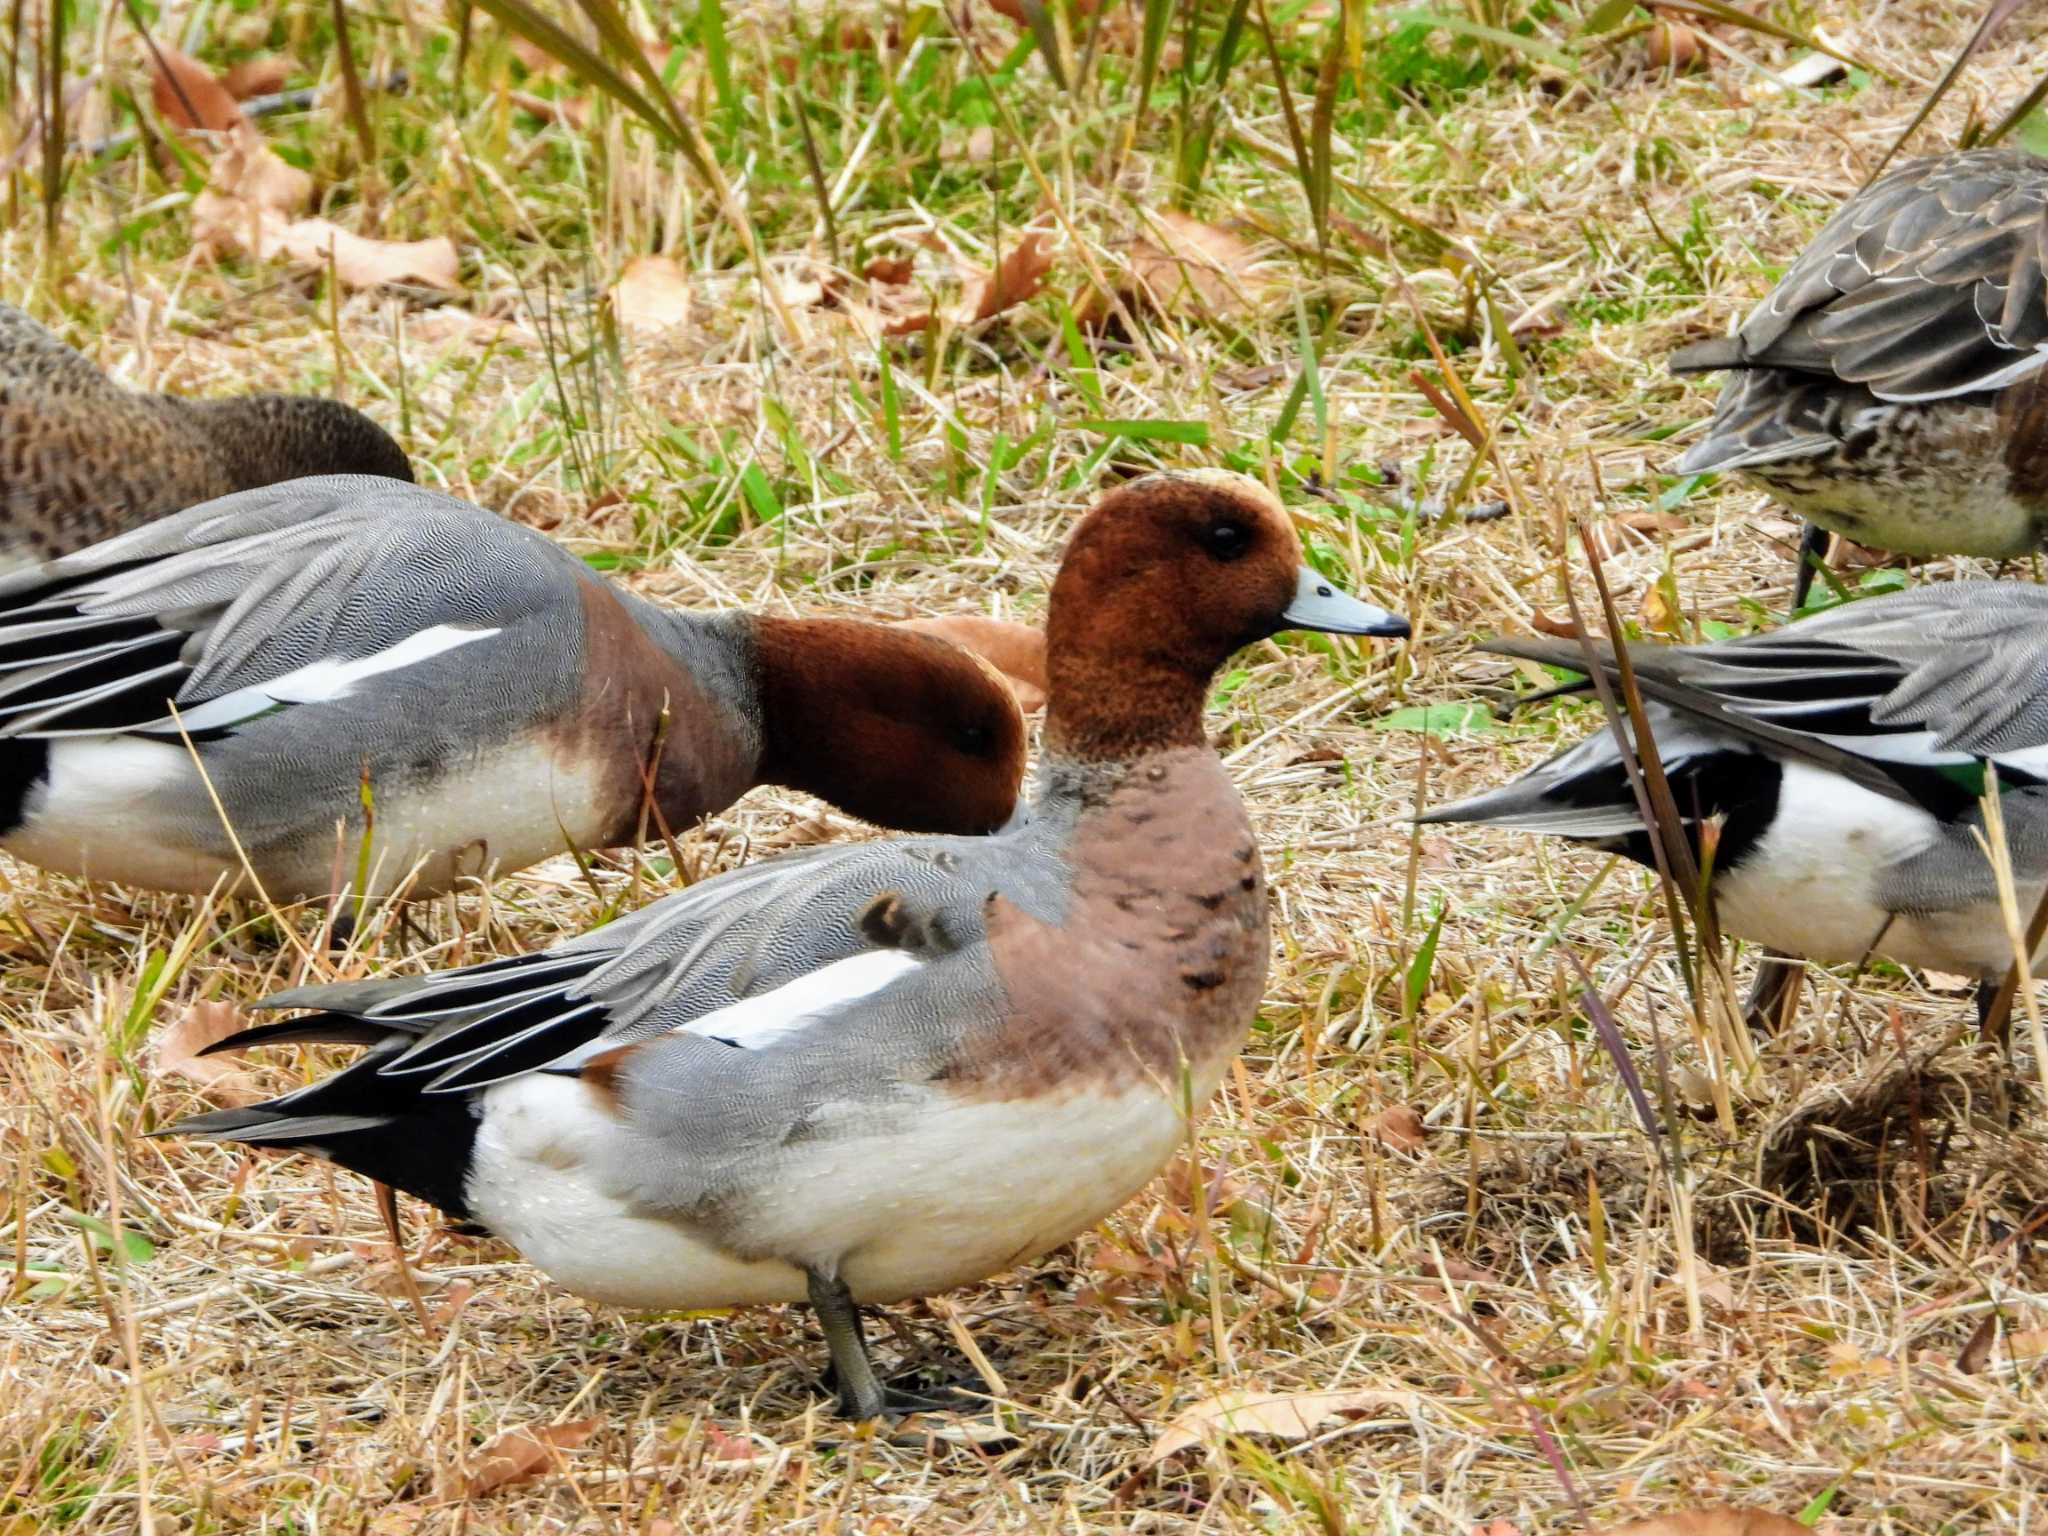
(87, 459)
(858, 1074)
(295, 651)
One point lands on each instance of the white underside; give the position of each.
(134, 811)
(948, 1192)
(1809, 887)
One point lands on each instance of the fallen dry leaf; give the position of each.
(1399, 1127)
(359, 262)
(1718, 1521)
(201, 1025)
(188, 96)
(890, 269)
(520, 1455)
(1496, 1528)
(1652, 522)
(1017, 277)
(248, 171)
(1191, 264)
(249, 194)
(573, 110)
(263, 75)
(1015, 650)
(902, 310)
(652, 294)
(728, 1451)
(1180, 265)
(1544, 624)
(1675, 46)
(1659, 615)
(1249, 1411)
(2026, 1343)
(1976, 1352)
(1947, 981)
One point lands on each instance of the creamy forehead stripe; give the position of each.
(1228, 480)
(330, 678)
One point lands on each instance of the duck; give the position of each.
(1845, 759)
(87, 459)
(352, 683)
(858, 1074)
(1890, 388)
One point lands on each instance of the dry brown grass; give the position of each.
(1515, 1290)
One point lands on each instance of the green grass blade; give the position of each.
(1045, 33)
(1463, 26)
(1158, 17)
(1321, 129)
(581, 61)
(1193, 433)
(711, 32)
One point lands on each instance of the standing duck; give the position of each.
(82, 459)
(278, 658)
(1845, 756)
(860, 1074)
(1890, 388)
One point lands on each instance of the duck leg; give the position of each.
(1813, 553)
(1775, 984)
(861, 1395)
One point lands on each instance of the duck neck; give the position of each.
(701, 674)
(717, 651)
(1113, 708)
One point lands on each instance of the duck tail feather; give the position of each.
(1708, 356)
(1540, 802)
(312, 1028)
(363, 1121)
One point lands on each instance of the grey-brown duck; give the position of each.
(1891, 387)
(82, 458)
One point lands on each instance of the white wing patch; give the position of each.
(319, 681)
(756, 1022)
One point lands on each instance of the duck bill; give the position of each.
(1318, 605)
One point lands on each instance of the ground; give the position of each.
(1426, 1188)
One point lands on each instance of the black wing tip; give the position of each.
(330, 1028)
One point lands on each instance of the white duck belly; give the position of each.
(1809, 884)
(959, 1191)
(136, 811)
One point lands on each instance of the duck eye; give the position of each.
(1227, 541)
(972, 740)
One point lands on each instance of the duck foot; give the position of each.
(852, 1379)
(915, 1392)
(929, 1390)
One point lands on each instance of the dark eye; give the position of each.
(1227, 541)
(972, 740)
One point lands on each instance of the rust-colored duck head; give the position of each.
(1162, 581)
(898, 728)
